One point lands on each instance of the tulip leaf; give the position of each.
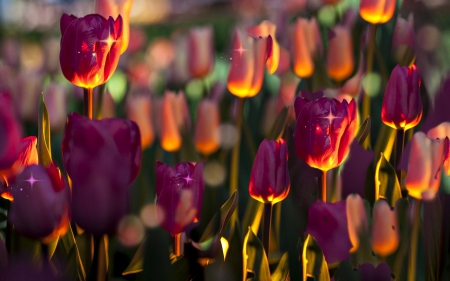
(315, 260)
(386, 182)
(252, 215)
(363, 131)
(282, 271)
(257, 262)
(68, 248)
(280, 123)
(345, 272)
(234, 260)
(217, 270)
(385, 141)
(432, 219)
(44, 146)
(156, 263)
(135, 265)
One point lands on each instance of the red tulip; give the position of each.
(41, 203)
(10, 134)
(90, 48)
(402, 104)
(179, 192)
(201, 51)
(102, 157)
(325, 129)
(269, 179)
(377, 11)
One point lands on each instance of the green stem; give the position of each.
(266, 227)
(87, 102)
(399, 144)
(414, 239)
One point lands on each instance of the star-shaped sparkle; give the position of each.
(188, 179)
(240, 50)
(31, 180)
(330, 117)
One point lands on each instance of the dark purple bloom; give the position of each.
(102, 157)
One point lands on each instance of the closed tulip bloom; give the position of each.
(403, 40)
(269, 179)
(201, 51)
(170, 131)
(357, 219)
(90, 48)
(424, 167)
(377, 11)
(385, 236)
(114, 8)
(179, 192)
(41, 203)
(10, 133)
(442, 131)
(264, 30)
(340, 58)
(139, 110)
(325, 129)
(207, 133)
(102, 158)
(402, 104)
(246, 73)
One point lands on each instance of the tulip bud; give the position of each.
(110, 8)
(385, 237)
(56, 102)
(402, 104)
(102, 157)
(357, 219)
(90, 48)
(9, 133)
(424, 167)
(264, 30)
(41, 203)
(139, 110)
(170, 131)
(340, 59)
(377, 11)
(201, 51)
(179, 192)
(403, 40)
(325, 129)
(246, 73)
(442, 131)
(269, 179)
(207, 132)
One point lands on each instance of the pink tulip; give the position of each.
(207, 133)
(340, 58)
(201, 51)
(385, 232)
(139, 110)
(357, 220)
(264, 30)
(442, 131)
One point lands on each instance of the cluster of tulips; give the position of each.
(316, 142)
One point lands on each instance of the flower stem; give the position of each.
(369, 64)
(399, 144)
(414, 240)
(177, 244)
(87, 103)
(322, 192)
(99, 266)
(266, 227)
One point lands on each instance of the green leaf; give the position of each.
(257, 262)
(386, 182)
(282, 271)
(432, 219)
(363, 131)
(316, 265)
(68, 249)
(345, 272)
(385, 141)
(234, 260)
(252, 215)
(280, 123)
(44, 146)
(135, 265)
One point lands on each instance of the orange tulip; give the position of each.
(201, 51)
(302, 60)
(377, 11)
(442, 131)
(139, 110)
(246, 73)
(266, 29)
(340, 60)
(170, 132)
(385, 237)
(207, 134)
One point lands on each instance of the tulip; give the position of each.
(402, 104)
(264, 30)
(102, 157)
(424, 167)
(377, 11)
(442, 131)
(385, 237)
(325, 129)
(170, 130)
(306, 44)
(90, 49)
(139, 110)
(246, 73)
(10, 133)
(110, 8)
(269, 178)
(179, 192)
(201, 51)
(41, 203)
(340, 59)
(207, 132)
(357, 219)
(403, 40)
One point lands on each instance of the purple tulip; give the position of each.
(102, 157)
(402, 104)
(269, 179)
(327, 223)
(325, 129)
(180, 194)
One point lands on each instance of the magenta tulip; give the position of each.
(269, 179)
(180, 194)
(102, 157)
(325, 129)
(10, 134)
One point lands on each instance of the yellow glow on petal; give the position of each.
(225, 246)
